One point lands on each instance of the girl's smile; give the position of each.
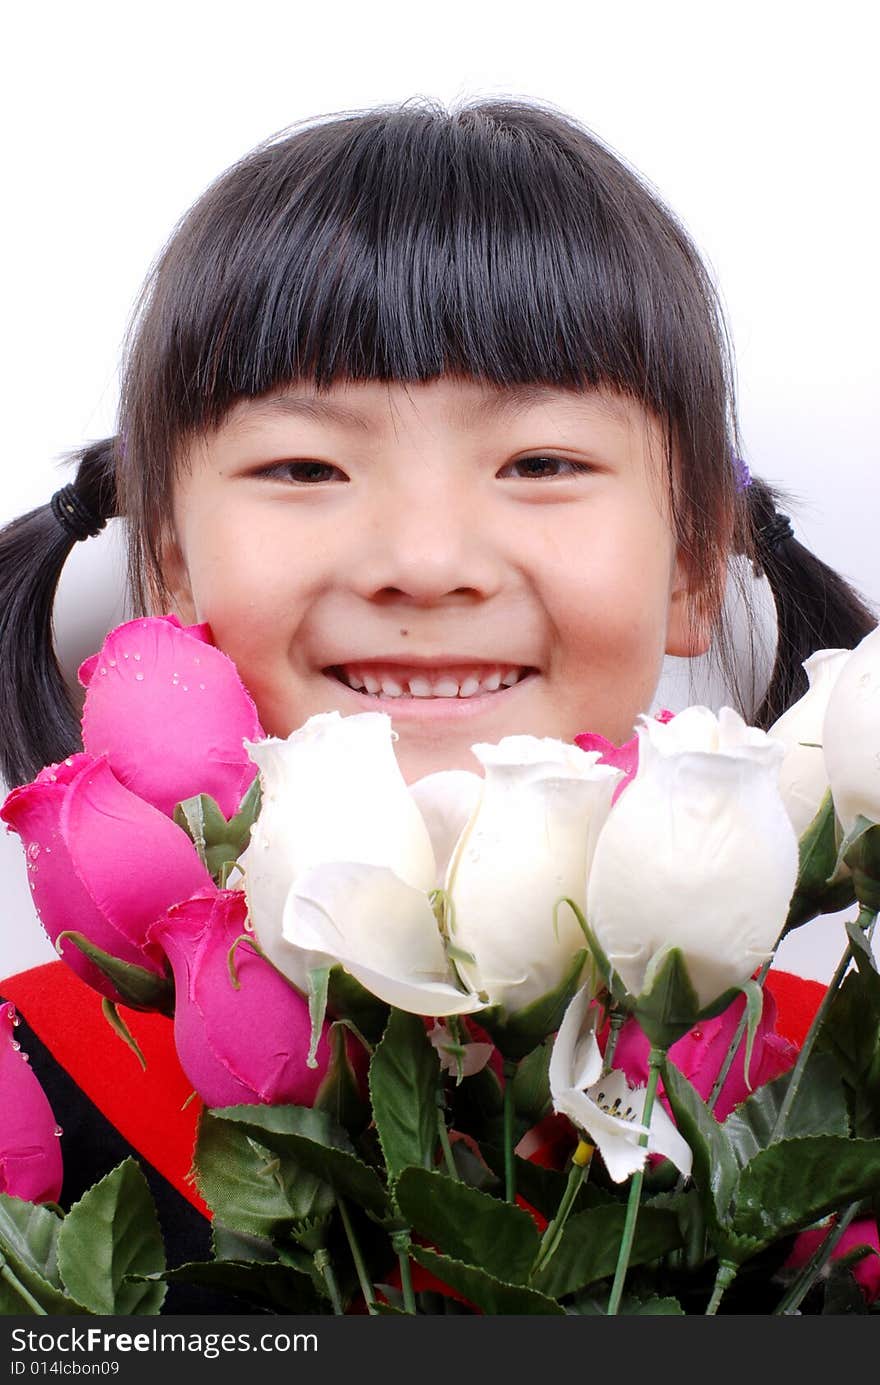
(475, 562)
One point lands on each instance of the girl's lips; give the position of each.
(431, 708)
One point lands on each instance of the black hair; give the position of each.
(500, 242)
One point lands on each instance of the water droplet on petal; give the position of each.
(138, 657)
(112, 663)
(103, 670)
(58, 1131)
(185, 688)
(16, 1045)
(33, 851)
(697, 1034)
(197, 661)
(25, 1058)
(125, 656)
(202, 686)
(139, 678)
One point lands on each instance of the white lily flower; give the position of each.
(851, 734)
(803, 778)
(340, 865)
(604, 1106)
(698, 854)
(529, 842)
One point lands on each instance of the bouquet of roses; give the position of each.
(492, 1043)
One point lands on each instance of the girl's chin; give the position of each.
(418, 760)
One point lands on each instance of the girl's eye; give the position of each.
(304, 473)
(546, 468)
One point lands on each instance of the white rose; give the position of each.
(529, 843)
(698, 854)
(340, 864)
(851, 735)
(803, 778)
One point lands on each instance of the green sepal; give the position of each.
(531, 1084)
(668, 1006)
(217, 841)
(820, 889)
(318, 981)
(754, 1007)
(860, 851)
(118, 1025)
(515, 1035)
(864, 957)
(597, 952)
(138, 988)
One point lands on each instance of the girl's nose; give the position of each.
(427, 549)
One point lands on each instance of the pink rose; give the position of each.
(30, 1152)
(170, 712)
(235, 1046)
(859, 1233)
(101, 862)
(625, 757)
(700, 1053)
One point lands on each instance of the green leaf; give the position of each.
(310, 1141)
(531, 1083)
(796, 1182)
(668, 1006)
(630, 1306)
(485, 1292)
(317, 982)
(235, 1245)
(404, 1073)
(817, 851)
(515, 1035)
(851, 1033)
(139, 988)
(111, 1233)
(275, 1287)
(715, 1166)
(111, 1014)
(29, 1246)
(590, 1244)
(245, 1184)
(469, 1225)
(818, 1109)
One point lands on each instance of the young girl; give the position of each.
(432, 414)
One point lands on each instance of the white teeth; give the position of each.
(423, 685)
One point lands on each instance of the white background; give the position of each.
(756, 122)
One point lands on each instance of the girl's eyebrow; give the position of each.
(499, 403)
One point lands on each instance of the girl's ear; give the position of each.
(175, 577)
(690, 624)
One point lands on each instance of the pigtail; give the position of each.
(38, 723)
(815, 607)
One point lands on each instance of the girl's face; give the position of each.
(474, 562)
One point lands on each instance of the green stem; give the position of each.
(865, 919)
(616, 1021)
(734, 1044)
(580, 1167)
(798, 1290)
(7, 1273)
(443, 1132)
(509, 1165)
(401, 1243)
(324, 1267)
(655, 1062)
(727, 1271)
(357, 1257)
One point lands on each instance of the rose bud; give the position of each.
(170, 712)
(30, 1152)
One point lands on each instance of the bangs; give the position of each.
(403, 245)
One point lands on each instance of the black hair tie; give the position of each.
(74, 515)
(775, 532)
